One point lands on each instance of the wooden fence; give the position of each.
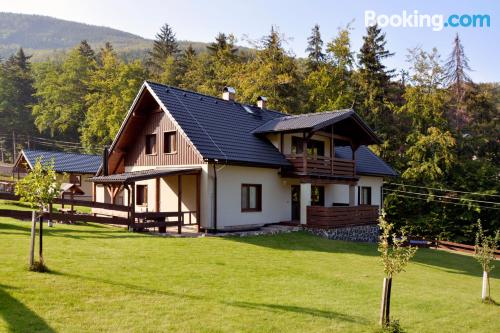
(136, 221)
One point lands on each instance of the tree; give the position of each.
(484, 252)
(330, 86)
(394, 257)
(164, 46)
(272, 73)
(315, 49)
(456, 70)
(112, 88)
(223, 43)
(16, 93)
(61, 92)
(39, 189)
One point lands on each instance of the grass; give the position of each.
(16, 205)
(108, 280)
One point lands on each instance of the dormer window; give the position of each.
(151, 144)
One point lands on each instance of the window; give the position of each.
(141, 195)
(317, 196)
(151, 144)
(169, 142)
(251, 198)
(365, 195)
(75, 179)
(314, 147)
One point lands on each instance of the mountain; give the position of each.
(47, 37)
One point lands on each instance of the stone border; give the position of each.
(360, 233)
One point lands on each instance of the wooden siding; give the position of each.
(158, 122)
(331, 217)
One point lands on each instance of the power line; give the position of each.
(446, 190)
(445, 197)
(444, 202)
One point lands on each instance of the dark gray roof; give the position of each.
(226, 130)
(304, 121)
(367, 163)
(221, 129)
(64, 162)
(135, 176)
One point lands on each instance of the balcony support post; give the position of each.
(304, 152)
(305, 201)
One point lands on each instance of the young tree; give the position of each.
(394, 257)
(223, 43)
(484, 253)
(39, 189)
(164, 46)
(315, 49)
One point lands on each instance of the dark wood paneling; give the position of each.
(159, 122)
(330, 217)
(322, 165)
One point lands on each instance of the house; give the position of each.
(75, 169)
(231, 166)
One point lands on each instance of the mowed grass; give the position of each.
(105, 279)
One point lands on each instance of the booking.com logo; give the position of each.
(416, 20)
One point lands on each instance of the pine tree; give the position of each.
(86, 50)
(315, 49)
(164, 46)
(223, 43)
(16, 93)
(456, 69)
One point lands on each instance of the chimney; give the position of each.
(228, 93)
(262, 102)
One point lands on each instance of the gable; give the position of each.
(147, 116)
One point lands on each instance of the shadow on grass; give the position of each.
(304, 241)
(300, 310)
(18, 317)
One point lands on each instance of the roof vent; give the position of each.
(228, 93)
(262, 102)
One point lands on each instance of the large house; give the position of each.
(71, 169)
(236, 166)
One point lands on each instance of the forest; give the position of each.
(439, 129)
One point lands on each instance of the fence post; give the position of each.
(32, 239)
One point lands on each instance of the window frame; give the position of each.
(144, 192)
(174, 150)
(321, 196)
(312, 145)
(258, 199)
(146, 145)
(361, 190)
(78, 177)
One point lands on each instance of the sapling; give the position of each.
(395, 256)
(484, 252)
(39, 189)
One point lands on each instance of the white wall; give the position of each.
(276, 196)
(376, 184)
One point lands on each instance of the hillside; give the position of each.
(47, 37)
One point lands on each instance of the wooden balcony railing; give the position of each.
(321, 165)
(331, 217)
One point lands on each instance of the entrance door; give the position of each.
(295, 202)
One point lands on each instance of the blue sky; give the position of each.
(202, 20)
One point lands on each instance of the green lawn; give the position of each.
(105, 279)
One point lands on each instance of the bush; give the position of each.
(393, 327)
(38, 266)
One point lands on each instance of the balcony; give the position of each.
(321, 165)
(332, 217)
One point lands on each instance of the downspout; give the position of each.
(215, 197)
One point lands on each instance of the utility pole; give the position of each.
(13, 147)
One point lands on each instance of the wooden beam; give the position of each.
(304, 152)
(179, 202)
(282, 143)
(157, 202)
